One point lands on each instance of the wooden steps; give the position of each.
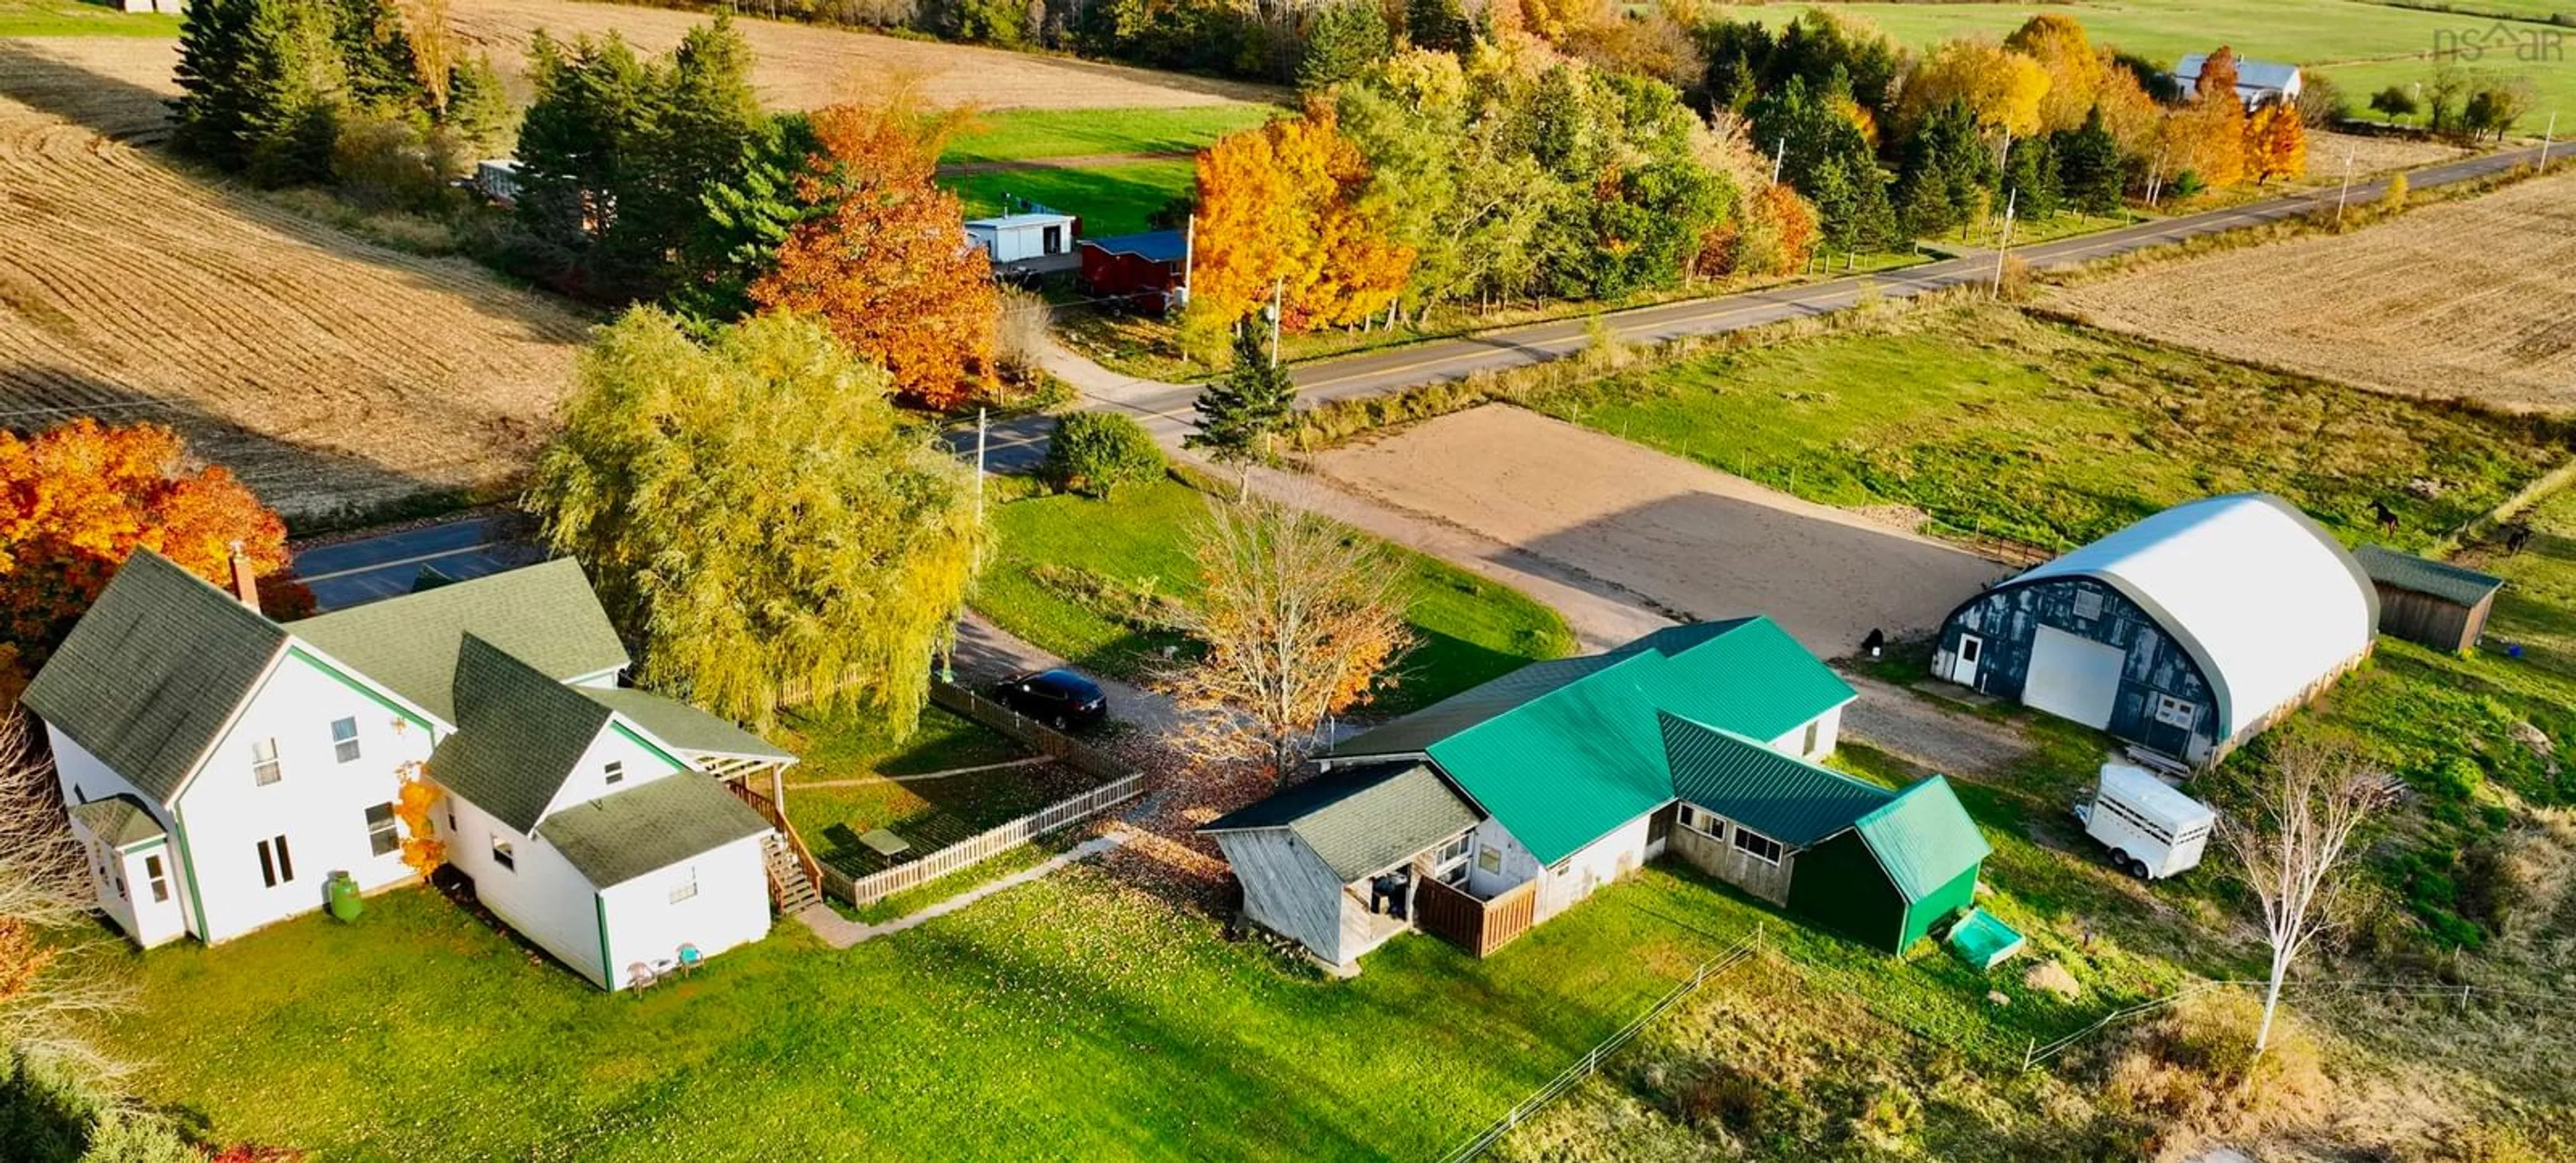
(789, 887)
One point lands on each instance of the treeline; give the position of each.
(297, 92)
(2457, 105)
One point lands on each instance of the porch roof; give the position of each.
(686, 727)
(616, 838)
(120, 821)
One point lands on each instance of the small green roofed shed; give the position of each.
(1896, 872)
(2430, 603)
(1360, 820)
(616, 838)
(119, 821)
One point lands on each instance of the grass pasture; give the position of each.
(1008, 135)
(1988, 421)
(2362, 46)
(80, 18)
(1110, 199)
(1072, 571)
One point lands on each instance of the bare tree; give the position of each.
(1301, 620)
(2306, 807)
(44, 893)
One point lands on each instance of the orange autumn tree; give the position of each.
(1283, 207)
(2276, 142)
(2207, 135)
(422, 850)
(78, 499)
(883, 265)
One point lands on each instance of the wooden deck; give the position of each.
(1477, 926)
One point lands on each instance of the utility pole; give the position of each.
(2004, 245)
(1778, 156)
(2545, 136)
(1189, 254)
(981, 431)
(1276, 289)
(2346, 193)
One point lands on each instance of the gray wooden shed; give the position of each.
(2430, 603)
(1306, 855)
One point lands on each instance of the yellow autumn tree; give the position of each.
(2276, 142)
(2206, 136)
(2076, 72)
(422, 850)
(2002, 87)
(1282, 208)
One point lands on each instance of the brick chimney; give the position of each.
(245, 584)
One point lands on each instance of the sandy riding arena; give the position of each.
(328, 373)
(2465, 299)
(1697, 541)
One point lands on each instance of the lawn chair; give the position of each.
(640, 977)
(688, 960)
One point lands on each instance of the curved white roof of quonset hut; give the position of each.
(2264, 599)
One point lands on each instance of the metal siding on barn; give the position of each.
(2008, 618)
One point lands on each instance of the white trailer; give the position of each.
(1022, 236)
(2152, 829)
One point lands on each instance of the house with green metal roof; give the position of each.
(1484, 815)
(225, 769)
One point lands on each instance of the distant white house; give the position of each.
(173, 7)
(1027, 235)
(222, 767)
(2257, 82)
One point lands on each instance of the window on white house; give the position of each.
(502, 855)
(276, 867)
(160, 880)
(2174, 712)
(1809, 747)
(1757, 845)
(1491, 860)
(685, 889)
(264, 769)
(616, 770)
(382, 837)
(1562, 867)
(2088, 603)
(1698, 819)
(1454, 851)
(344, 739)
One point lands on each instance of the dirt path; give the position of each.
(1922, 732)
(1685, 539)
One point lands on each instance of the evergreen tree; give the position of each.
(1241, 410)
(576, 150)
(743, 221)
(2088, 166)
(292, 82)
(478, 109)
(1827, 158)
(702, 125)
(2030, 179)
(1342, 40)
(212, 109)
(1947, 176)
(376, 55)
(1439, 25)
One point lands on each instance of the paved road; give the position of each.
(361, 570)
(1165, 408)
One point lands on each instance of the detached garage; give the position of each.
(2185, 633)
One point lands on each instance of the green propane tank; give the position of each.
(345, 902)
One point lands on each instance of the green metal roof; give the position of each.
(1924, 838)
(683, 726)
(2451, 583)
(1751, 678)
(1416, 732)
(544, 615)
(518, 734)
(150, 675)
(616, 838)
(1781, 796)
(120, 820)
(1566, 768)
(1362, 819)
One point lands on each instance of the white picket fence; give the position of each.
(966, 853)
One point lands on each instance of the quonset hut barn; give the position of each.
(2186, 633)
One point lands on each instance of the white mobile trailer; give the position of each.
(2153, 830)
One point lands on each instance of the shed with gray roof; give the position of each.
(2430, 603)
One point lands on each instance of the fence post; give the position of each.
(2029, 1055)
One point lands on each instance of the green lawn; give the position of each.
(1064, 560)
(857, 743)
(1113, 199)
(1022, 134)
(79, 18)
(2341, 33)
(1076, 1018)
(1994, 422)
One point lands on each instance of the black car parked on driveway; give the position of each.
(1058, 698)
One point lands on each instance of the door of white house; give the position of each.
(1963, 662)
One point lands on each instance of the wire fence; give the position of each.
(1744, 949)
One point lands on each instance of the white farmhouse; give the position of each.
(2258, 83)
(222, 767)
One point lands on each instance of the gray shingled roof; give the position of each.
(119, 820)
(2451, 583)
(1363, 819)
(683, 726)
(1781, 796)
(518, 734)
(616, 838)
(150, 675)
(544, 615)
